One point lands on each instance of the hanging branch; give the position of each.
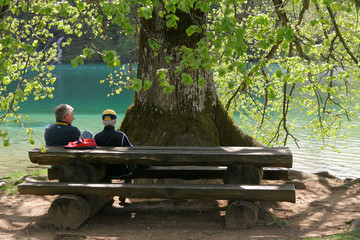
(3, 11)
(266, 97)
(278, 9)
(11, 105)
(306, 4)
(340, 36)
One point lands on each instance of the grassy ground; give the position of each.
(342, 236)
(13, 180)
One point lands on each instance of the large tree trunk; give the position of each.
(189, 116)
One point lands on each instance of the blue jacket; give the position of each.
(60, 134)
(110, 137)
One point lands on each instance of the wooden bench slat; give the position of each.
(284, 192)
(202, 172)
(184, 156)
(189, 173)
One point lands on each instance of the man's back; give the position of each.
(60, 134)
(110, 137)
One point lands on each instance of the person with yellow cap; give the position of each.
(111, 137)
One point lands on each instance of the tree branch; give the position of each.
(340, 36)
(306, 4)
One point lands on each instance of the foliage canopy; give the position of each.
(269, 57)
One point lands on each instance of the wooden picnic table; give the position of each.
(81, 174)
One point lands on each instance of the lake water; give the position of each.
(80, 88)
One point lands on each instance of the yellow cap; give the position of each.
(109, 114)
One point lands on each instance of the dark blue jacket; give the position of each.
(110, 137)
(60, 134)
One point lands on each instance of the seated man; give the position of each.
(111, 137)
(61, 132)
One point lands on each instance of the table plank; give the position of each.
(167, 156)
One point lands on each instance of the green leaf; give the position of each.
(88, 52)
(161, 73)
(43, 149)
(7, 41)
(186, 78)
(313, 22)
(172, 21)
(278, 73)
(289, 34)
(111, 58)
(168, 88)
(6, 142)
(170, 6)
(222, 72)
(136, 84)
(231, 85)
(271, 93)
(76, 61)
(147, 85)
(191, 30)
(327, 3)
(99, 18)
(4, 2)
(177, 69)
(29, 48)
(201, 81)
(145, 12)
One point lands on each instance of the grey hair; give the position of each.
(62, 110)
(109, 122)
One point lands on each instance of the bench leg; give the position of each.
(70, 211)
(79, 171)
(242, 214)
(243, 174)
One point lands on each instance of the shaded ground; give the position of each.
(322, 209)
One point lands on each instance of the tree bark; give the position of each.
(189, 116)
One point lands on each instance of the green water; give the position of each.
(80, 88)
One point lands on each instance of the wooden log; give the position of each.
(70, 211)
(79, 171)
(241, 214)
(284, 192)
(188, 173)
(243, 174)
(185, 156)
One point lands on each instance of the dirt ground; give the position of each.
(324, 208)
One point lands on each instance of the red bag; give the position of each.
(83, 143)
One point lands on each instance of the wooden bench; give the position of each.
(186, 173)
(81, 174)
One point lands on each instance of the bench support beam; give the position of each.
(284, 192)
